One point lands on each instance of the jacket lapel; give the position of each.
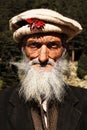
(69, 115)
(36, 115)
(19, 113)
(52, 115)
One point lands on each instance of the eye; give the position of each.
(34, 45)
(53, 45)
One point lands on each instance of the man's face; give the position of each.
(44, 48)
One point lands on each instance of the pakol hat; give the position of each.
(42, 21)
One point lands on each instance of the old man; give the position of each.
(43, 101)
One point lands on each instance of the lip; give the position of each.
(47, 67)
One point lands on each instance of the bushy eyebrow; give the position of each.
(49, 43)
(38, 44)
(53, 43)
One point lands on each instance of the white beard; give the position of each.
(41, 84)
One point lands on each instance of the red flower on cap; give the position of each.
(35, 23)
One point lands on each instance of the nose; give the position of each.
(43, 56)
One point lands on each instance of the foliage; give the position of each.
(1, 83)
(82, 66)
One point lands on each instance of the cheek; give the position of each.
(55, 54)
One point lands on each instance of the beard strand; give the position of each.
(40, 85)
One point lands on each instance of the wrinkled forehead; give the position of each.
(45, 36)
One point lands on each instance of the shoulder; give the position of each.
(79, 92)
(4, 99)
(6, 91)
(5, 94)
(81, 104)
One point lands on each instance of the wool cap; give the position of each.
(42, 21)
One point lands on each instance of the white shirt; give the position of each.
(44, 105)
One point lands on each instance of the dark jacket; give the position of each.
(71, 114)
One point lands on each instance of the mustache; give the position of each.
(25, 64)
(42, 64)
